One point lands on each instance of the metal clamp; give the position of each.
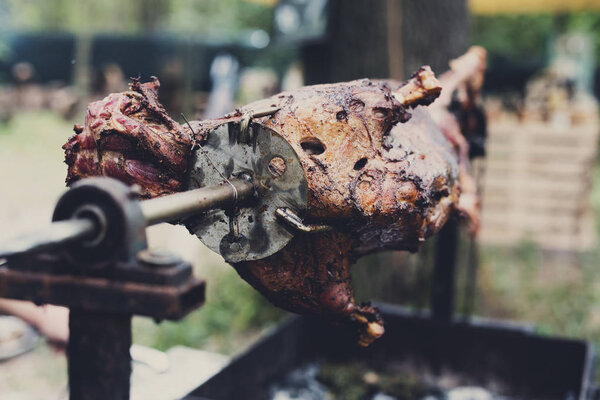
(290, 217)
(245, 126)
(265, 111)
(247, 118)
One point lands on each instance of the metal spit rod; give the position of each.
(54, 235)
(161, 209)
(184, 204)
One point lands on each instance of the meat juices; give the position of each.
(378, 169)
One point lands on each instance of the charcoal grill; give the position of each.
(511, 357)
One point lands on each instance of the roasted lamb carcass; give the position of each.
(378, 168)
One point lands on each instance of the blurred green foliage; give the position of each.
(135, 16)
(529, 35)
(233, 313)
(512, 35)
(587, 22)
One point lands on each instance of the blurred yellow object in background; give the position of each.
(264, 2)
(531, 6)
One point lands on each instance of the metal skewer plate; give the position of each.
(278, 176)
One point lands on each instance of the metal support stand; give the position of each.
(101, 308)
(98, 355)
(94, 259)
(444, 273)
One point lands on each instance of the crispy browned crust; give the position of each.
(386, 176)
(377, 167)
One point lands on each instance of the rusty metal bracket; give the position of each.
(105, 275)
(172, 294)
(101, 303)
(293, 220)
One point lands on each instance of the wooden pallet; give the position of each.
(537, 184)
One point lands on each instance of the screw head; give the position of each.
(234, 249)
(277, 167)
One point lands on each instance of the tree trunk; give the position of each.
(386, 39)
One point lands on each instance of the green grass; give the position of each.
(560, 294)
(234, 314)
(35, 131)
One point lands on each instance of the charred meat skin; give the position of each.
(377, 166)
(130, 137)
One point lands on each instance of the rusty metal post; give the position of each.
(98, 355)
(444, 272)
(107, 281)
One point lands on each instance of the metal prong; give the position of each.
(294, 221)
(234, 227)
(265, 112)
(245, 132)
